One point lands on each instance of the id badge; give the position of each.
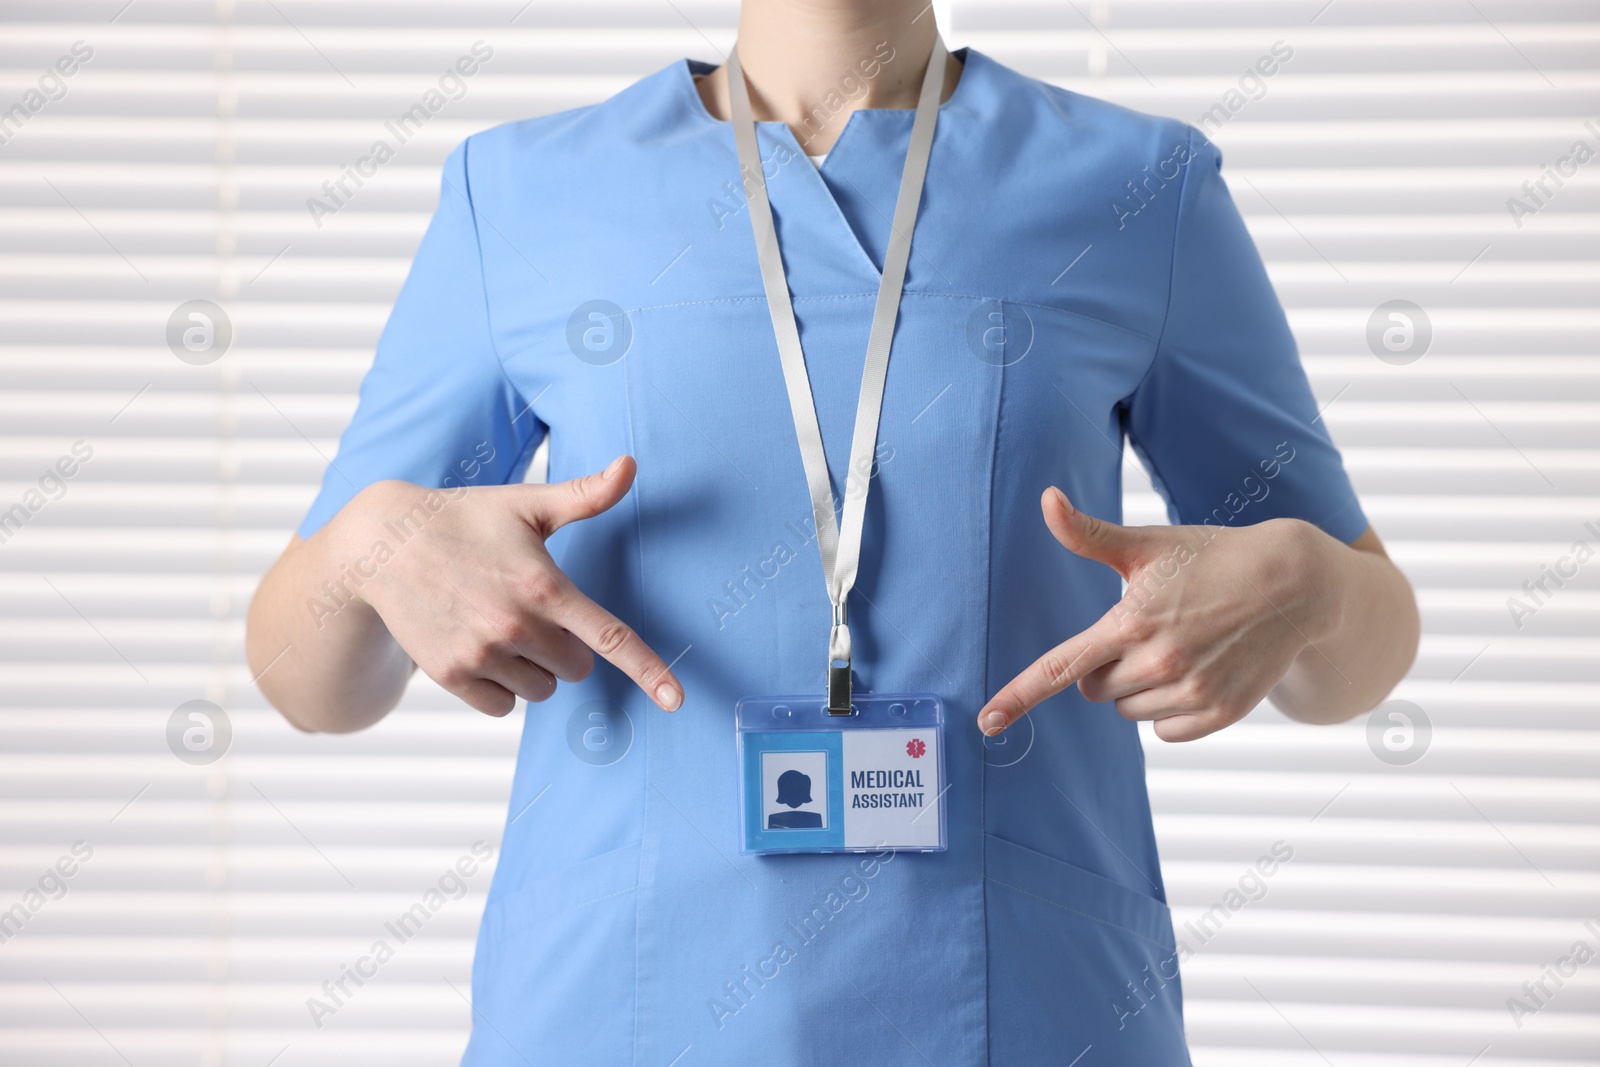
(864, 782)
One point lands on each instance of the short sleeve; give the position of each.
(1224, 419)
(436, 407)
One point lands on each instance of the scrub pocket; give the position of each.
(1076, 960)
(547, 966)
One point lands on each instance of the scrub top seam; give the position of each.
(924, 294)
(644, 785)
(1172, 271)
(521, 402)
(1162, 487)
(983, 763)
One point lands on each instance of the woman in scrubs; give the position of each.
(1079, 277)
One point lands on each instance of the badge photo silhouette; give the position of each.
(794, 789)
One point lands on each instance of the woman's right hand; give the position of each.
(463, 582)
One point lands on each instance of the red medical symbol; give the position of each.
(915, 748)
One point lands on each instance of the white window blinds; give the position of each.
(162, 152)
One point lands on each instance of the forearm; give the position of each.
(325, 660)
(1366, 642)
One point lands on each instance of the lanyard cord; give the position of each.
(840, 549)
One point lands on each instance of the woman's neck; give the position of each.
(811, 63)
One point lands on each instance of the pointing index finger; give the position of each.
(1048, 675)
(623, 648)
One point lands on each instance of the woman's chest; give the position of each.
(698, 389)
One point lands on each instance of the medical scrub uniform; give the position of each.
(1079, 277)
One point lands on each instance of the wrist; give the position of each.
(1321, 561)
(356, 547)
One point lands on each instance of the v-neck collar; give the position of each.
(815, 188)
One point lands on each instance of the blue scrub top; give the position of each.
(1080, 276)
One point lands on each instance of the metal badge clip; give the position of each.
(838, 688)
(839, 663)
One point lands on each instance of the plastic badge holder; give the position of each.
(864, 782)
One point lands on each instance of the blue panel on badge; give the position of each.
(794, 790)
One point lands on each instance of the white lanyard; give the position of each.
(841, 550)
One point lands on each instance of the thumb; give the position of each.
(1122, 548)
(554, 506)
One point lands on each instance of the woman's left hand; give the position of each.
(1212, 619)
